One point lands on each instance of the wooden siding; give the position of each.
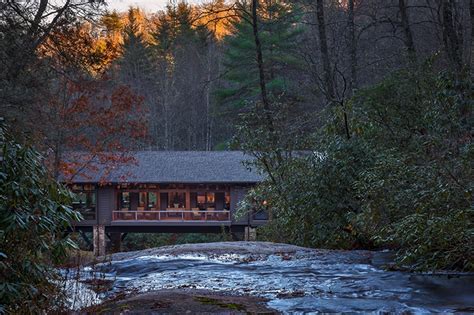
(105, 204)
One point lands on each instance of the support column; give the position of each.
(116, 240)
(98, 233)
(250, 234)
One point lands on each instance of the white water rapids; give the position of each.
(294, 279)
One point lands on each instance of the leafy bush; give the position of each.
(33, 221)
(434, 242)
(403, 179)
(310, 206)
(414, 195)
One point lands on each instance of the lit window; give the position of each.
(227, 201)
(205, 200)
(211, 200)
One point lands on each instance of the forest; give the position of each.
(359, 113)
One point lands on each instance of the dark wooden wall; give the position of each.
(106, 203)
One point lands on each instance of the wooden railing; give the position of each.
(171, 215)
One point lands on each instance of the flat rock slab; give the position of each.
(182, 302)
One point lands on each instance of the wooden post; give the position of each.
(98, 232)
(187, 205)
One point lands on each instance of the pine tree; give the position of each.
(278, 36)
(175, 28)
(135, 64)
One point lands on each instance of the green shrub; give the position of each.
(309, 207)
(399, 181)
(410, 199)
(431, 242)
(33, 221)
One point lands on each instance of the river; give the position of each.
(292, 279)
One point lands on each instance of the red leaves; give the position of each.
(99, 119)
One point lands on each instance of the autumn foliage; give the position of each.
(96, 123)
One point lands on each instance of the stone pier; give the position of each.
(250, 234)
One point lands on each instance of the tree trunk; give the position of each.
(352, 47)
(323, 46)
(258, 46)
(166, 111)
(471, 12)
(208, 98)
(261, 69)
(452, 40)
(407, 30)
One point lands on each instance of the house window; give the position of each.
(227, 201)
(142, 200)
(201, 200)
(152, 200)
(210, 200)
(205, 200)
(176, 200)
(261, 212)
(124, 200)
(85, 200)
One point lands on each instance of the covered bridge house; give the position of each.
(167, 191)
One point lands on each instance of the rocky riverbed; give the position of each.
(261, 277)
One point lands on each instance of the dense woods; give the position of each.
(359, 114)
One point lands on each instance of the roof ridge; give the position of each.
(180, 166)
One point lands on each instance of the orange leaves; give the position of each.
(99, 119)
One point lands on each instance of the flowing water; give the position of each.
(296, 281)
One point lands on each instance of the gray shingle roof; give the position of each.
(180, 167)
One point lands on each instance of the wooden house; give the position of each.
(167, 191)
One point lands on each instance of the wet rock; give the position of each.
(290, 294)
(183, 302)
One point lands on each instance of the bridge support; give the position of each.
(98, 233)
(250, 234)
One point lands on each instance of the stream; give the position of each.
(293, 279)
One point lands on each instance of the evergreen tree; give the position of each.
(135, 62)
(262, 82)
(278, 35)
(175, 30)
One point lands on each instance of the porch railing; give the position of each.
(171, 215)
